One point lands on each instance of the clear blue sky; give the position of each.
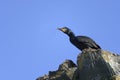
(30, 44)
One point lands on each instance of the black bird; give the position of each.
(81, 42)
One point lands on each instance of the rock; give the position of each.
(91, 65)
(64, 72)
(97, 65)
(113, 60)
(68, 64)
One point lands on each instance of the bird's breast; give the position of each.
(77, 43)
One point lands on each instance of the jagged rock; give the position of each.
(113, 60)
(68, 64)
(91, 65)
(64, 72)
(97, 65)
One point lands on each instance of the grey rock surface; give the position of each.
(64, 72)
(91, 65)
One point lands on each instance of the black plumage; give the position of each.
(81, 42)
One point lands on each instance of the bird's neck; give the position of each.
(71, 35)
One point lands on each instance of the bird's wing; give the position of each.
(88, 41)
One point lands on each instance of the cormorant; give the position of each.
(81, 42)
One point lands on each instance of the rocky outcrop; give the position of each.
(91, 65)
(64, 72)
(97, 65)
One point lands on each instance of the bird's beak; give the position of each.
(59, 29)
(62, 29)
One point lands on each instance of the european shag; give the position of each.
(81, 42)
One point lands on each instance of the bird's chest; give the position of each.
(77, 43)
(74, 41)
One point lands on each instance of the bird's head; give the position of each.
(65, 30)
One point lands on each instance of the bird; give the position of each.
(81, 42)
